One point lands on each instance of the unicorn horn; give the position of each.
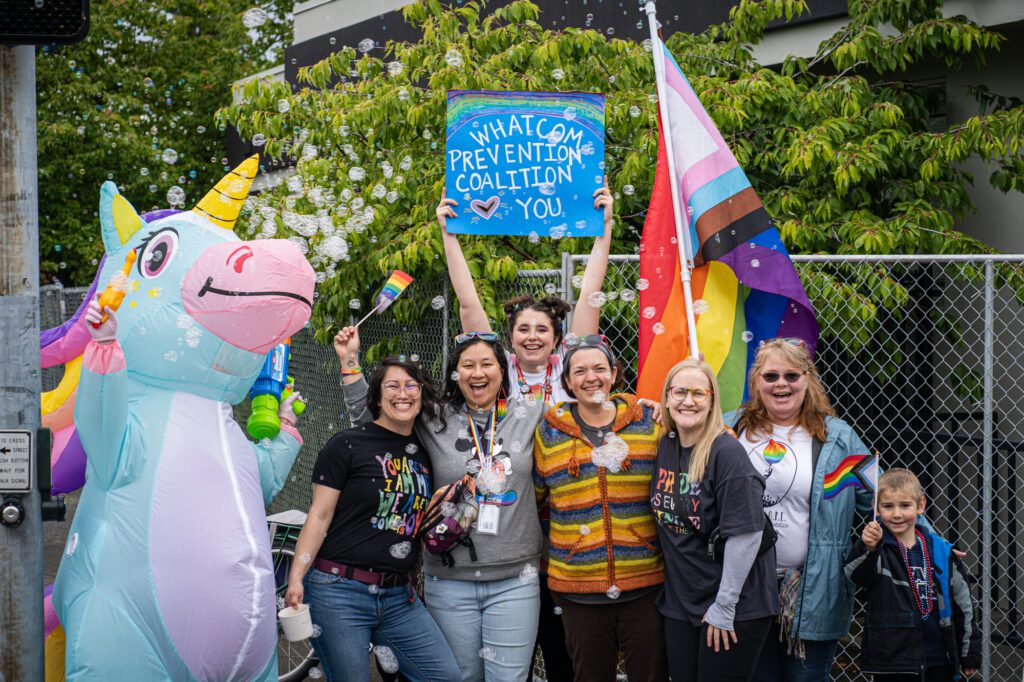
(222, 204)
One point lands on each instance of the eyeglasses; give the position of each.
(489, 337)
(589, 341)
(412, 388)
(790, 377)
(698, 395)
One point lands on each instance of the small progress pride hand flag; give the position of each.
(856, 471)
(393, 288)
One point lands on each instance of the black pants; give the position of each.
(551, 638)
(596, 633)
(938, 673)
(690, 659)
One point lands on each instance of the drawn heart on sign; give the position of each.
(485, 209)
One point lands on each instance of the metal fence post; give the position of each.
(986, 475)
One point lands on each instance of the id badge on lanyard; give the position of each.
(488, 516)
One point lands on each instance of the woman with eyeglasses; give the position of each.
(793, 438)
(719, 599)
(356, 551)
(486, 601)
(536, 330)
(592, 463)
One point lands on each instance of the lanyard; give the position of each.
(485, 459)
(526, 388)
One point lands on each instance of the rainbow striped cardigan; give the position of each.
(602, 530)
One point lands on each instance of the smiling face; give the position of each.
(533, 338)
(590, 376)
(687, 413)
(480, 376)
(783, 391)
(898, 510)
(400, 400)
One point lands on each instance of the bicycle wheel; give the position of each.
(294, 659)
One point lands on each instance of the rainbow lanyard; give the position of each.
(542, 391)
(492, 419)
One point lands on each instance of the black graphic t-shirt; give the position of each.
(728, 498)
(384, 479)
(934, 648)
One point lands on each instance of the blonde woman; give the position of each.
(718, 605)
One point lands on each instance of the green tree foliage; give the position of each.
(846, 154)
(150, 76)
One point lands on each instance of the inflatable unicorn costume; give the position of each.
(167, 572)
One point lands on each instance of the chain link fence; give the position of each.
(933, 379)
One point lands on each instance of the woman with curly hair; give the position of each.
(793, 438)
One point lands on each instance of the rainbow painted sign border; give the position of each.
(525, 163)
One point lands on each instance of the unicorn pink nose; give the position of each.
(251, 294)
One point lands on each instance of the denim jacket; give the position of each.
(825, 607)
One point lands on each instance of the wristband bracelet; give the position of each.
(351, 371)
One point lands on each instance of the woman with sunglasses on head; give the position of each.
(353, 562)
(535, 334)
(592, 463)
(793, 438)
(484, 595)
(718, 607)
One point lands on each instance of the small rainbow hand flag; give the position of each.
(393, 288)
(856, 471)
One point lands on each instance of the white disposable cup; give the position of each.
(296, 622)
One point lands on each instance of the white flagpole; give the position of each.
(367, 316)
(682, 234)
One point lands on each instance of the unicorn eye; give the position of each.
(158, 252)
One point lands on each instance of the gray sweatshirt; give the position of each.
(518, 541)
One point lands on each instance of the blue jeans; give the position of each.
(491, 626)
(775, 665)
(350, 618)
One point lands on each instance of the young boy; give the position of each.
(921, 622)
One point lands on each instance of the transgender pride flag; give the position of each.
(745, 288)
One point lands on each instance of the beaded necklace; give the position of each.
(925, 608)
(541, 391)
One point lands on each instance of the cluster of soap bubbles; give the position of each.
(611, 453)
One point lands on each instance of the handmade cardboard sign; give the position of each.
(525, 163)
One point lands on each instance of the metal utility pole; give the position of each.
(21, 536)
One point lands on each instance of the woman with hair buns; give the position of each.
(793, 438)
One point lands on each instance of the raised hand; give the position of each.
(346, 346)
(872, 535)
(445, 210)
(101, 331)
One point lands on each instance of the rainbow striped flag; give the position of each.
(855, 471)
(745, 288)
(393, 288)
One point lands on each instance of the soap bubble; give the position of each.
(254, 17)
(755, 263)
(343, 131)
(175, 196)
(613, 592)
(356, 174)
(546, 188)
(634, 111)
(72, 544)
(412, 448)
(334, 247)
(558, 611)
(557, 74)
(658, 328)
(305, 558)
(627, 295)
(584, 530)
(488, 654)
(649, 312)
(373, 589)
(396, 68)
(577, 281)
(628, 190)
(169, 156)
(400, 550)
(569, 113)
(533, 238)
(315, 673)
(747, 336)
(365, 45)
(597, 299)
(379, 191)
(550, 288)
(355, 304)
(701, 306)
(387, 659)
(611, 453)
(283, 106)
(453, 58)
(529, 575)
(259, 139)
(391, 196)
(642, 284)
